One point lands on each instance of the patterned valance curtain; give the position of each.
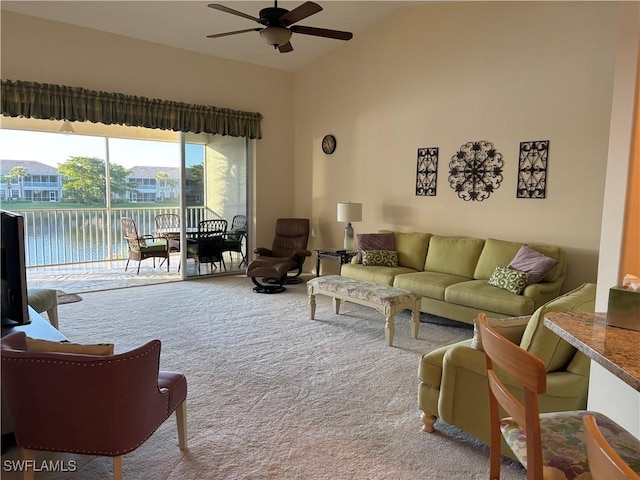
(58, 102)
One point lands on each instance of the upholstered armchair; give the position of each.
(89, 404)
(287, 254)
(453, 379)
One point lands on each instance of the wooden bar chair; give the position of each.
(549, 445)
(604, 462)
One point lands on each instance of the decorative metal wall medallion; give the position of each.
(532, 169)
(475, 171)
(427, 172)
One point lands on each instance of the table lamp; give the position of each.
(349, 212)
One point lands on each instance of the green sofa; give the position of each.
(450, 275)
(453, 379)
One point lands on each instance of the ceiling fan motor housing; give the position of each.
(270, 16)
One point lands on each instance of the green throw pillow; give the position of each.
(381, 258)
(509, 279)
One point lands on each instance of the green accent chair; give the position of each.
(453, 379)
(44, 300)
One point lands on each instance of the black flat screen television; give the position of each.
(13, 270)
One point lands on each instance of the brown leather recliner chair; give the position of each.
(89, 404)
(287, 254)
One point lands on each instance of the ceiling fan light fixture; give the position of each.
(275, 36)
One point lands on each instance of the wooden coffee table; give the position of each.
(385, 299)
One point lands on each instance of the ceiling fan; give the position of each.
(279, 24)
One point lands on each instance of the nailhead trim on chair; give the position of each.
(94, 363)
(106, 454)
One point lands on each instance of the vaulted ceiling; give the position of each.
(186, 24)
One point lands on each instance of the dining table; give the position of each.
(172, 232)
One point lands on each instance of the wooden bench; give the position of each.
(387, 300)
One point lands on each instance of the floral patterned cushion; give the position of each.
(564, 452)
(374, 241)
(382, 258)
(509, 279)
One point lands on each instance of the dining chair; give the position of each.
(168, 226)
(141, 247)
(604, 462)
(549, 445)
(207, 247)
(93, 404)
(235, 238)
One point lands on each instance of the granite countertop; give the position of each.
(616, 349)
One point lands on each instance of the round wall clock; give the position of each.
(329, 144)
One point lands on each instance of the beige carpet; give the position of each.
(272, 394)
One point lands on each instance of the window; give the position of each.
(97, 178)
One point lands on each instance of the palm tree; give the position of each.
(162, 177)
(18, 173)
(170, 183)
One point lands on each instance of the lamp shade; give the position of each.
(275, 36)
(349, 212)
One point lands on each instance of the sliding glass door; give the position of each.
(75, 188)
(216, 203)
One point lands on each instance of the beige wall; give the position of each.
(50, 52)
(617, 256)
(503, 72)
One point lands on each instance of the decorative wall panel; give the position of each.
(427, 172)
(475, 171)
(532, 169)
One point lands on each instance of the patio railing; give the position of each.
(81, 235)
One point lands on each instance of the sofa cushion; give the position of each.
(535, 263)
(509, 279)
(412, 249)
(511, 328)
(381, 275)
(501, 252)
(495, 252)
(383, 258)
(374, 241)
(453, 255)
(483, 297)
(427, 284)
(538, 340)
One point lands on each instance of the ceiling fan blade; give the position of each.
(286, 48)
(217, 35)
(300, 12)
(222, 8)
(322, 32)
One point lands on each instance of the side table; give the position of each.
(344, 256)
